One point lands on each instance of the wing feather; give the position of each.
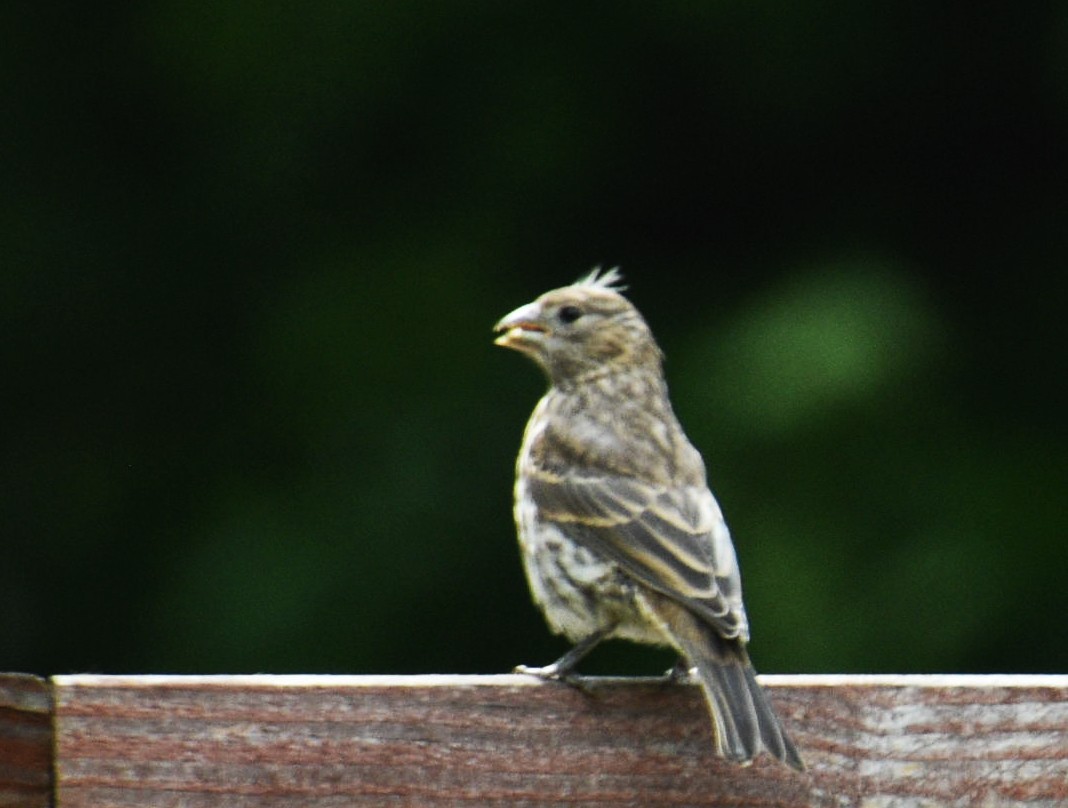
(674, 540)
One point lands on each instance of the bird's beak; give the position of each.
(521, 329)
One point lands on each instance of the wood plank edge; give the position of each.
(436, 680)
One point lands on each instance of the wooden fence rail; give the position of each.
(325, 741)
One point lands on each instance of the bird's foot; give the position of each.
(545, 672)
(562, 669)
(680, 673)
(555, 673)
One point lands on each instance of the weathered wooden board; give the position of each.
(513, 740)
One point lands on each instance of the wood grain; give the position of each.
(513, 740)
(25, 741)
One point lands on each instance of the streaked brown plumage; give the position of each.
(619, 533)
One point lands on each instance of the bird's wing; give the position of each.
(672, 539)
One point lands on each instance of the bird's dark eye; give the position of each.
(568, 314)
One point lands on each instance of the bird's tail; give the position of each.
(743, 720)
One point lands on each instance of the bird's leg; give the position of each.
(563, 667)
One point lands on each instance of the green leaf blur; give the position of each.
(252, 254)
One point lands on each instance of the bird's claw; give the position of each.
(553, 673)
(680, 673)
(546, 672)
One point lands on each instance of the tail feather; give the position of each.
(744, 722)
(727, 691)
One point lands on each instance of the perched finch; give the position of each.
(619, 533)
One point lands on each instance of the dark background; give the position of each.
(252, 253)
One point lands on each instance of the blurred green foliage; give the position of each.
(252, 253)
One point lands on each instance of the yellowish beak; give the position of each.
(520, 328)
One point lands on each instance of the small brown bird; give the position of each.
(619, 533)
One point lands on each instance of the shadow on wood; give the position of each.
(25, 741)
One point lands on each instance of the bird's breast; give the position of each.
(579, 591)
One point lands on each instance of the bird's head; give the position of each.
(581, 331)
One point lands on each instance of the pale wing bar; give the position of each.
(670, 540)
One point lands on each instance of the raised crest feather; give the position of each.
(600, 278)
